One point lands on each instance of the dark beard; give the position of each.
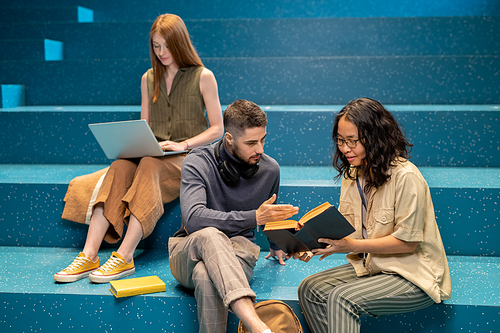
(236, 154)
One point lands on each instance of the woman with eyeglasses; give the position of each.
(396, 259)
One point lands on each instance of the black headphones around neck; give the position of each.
(228, 172)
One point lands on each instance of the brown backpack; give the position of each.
(277, 315)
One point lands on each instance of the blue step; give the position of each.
(360, 36)
(31, 300)
(287, 80)
(443, 135)
(337, 80)
(32, 204)
(37, 13)
(435, 64)
(38, 49)
(137, 10)
(101, 40)
(62, 133)
(313, 37)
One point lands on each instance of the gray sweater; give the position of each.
(206, 201)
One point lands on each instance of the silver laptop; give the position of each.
(128, 139)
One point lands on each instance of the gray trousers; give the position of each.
(333, 300)
(218, 268)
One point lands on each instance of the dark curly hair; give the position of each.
(381, 136)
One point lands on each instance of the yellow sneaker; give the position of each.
(81, 267)
(115, 268)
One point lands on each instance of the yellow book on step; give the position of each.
(137, 286)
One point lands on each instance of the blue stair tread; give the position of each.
(442, 177)
(321, 176)
(75, 108)
(266, 108)
(475, 280)
(30, 270)
(45, 173)
(390, 107)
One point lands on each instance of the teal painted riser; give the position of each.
(456, 135)
(465, 202)
(193, 9)
(287, 80)
(40, 12)
(39, 49)
(35, 302)
(312, 37)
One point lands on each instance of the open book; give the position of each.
(324, 221)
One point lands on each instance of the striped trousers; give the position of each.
(333, 300)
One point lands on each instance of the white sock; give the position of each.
(268, 331)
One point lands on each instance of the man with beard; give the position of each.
(227, 190)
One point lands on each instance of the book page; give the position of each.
(314, 212)
(287, 224)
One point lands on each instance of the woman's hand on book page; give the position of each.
(267, 212)
(277, 254)
(302, 256)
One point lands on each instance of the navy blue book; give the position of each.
(324, 221)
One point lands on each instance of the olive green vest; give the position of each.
(180, 115)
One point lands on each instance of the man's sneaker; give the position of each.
(81, 267)
(115, 268)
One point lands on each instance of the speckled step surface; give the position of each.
(313, 37)
(465, 202)
(40, 49)
(29, 294)
(225, 9)
(443, 135)
(399, 52)
(37, 12)
(276, 80)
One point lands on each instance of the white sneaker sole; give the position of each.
(72, 277)
(106, 278)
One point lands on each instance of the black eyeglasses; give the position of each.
(351, 143)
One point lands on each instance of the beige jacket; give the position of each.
(403, 208)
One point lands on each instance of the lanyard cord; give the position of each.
(364, 217)
(363, 199)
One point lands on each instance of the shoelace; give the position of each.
(77, 263)
(111, 264)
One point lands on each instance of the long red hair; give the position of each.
(172, 28)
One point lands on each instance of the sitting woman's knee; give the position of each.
(148, 161)
(304, 287)
(122, 166)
